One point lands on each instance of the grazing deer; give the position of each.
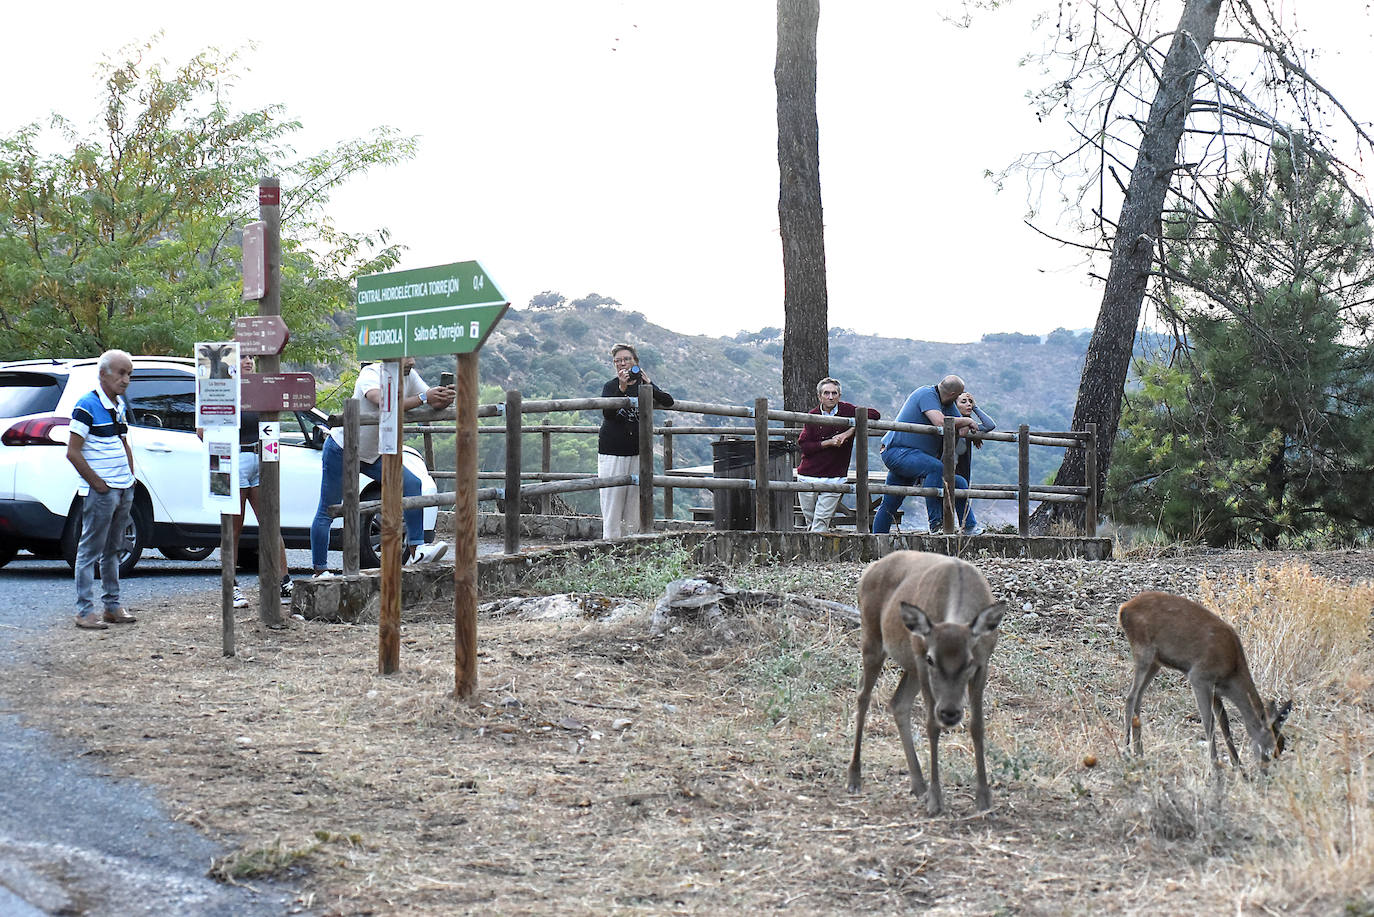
(936, 617)
(1169, 630)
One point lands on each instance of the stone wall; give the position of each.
(355, 598)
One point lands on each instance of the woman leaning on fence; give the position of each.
(618, 443)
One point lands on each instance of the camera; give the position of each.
(636, 371)
(446, 379)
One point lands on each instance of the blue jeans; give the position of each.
(331, 492)
(103, 520)
(908, 467)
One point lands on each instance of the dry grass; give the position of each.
(602, 770)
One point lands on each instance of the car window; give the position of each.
(29, 392)
(161, 399)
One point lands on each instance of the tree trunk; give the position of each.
(1109, 352)
(805, 342)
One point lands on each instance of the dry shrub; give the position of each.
(1299, 630)
(1310, 635)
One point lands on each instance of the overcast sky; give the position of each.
(629, 148)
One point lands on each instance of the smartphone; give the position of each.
(446, 379)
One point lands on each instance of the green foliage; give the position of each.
(1257, 430)
(131, 237)
(737, 355)
(642, 575)
(1010, 337)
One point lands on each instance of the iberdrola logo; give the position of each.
(362, 336)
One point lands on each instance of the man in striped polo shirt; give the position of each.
(99, 450)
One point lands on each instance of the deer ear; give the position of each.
(988, 619)
(915, 619)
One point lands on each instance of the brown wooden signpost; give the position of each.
(450, 309)
(259, 335)
(278, 391)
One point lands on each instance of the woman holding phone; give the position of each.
(618, 443)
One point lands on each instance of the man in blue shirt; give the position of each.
(99, 451)
(914, 459)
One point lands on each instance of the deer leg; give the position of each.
(1219, 712)
(1202, 690)
(935, 800)
(1145, 671)
(872, 666)
(902, 699)
(983, 795)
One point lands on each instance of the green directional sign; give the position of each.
(430, 310)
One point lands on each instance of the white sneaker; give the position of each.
(240, 600)
(428, 553)
(287, 589)
(976, 530)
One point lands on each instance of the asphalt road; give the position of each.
(73, 838)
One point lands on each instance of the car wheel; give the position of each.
(178, 552)
(370, 539)
(7, 551)
(136, 535)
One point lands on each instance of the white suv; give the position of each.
(39, 506)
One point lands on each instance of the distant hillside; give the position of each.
(563, 350)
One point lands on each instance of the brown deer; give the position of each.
(1169, 630)
(936, 617)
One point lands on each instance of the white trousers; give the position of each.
(619, 505)
(819, 507)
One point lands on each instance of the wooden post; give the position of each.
(429, 451)
(351, 535)
(389, 623)
(1090, 478)
(269, 491)
(761, 489)
(513, 462)
(545, 465)
(668, 469)
(228, 563)
(947, 454)
(1023, 481)
(465, 530)
(861, 505)
(646, 457)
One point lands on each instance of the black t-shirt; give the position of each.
(248, 428)
(620, 428)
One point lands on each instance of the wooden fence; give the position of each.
(514, 489)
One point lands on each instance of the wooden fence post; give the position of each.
(545, 465)
(1090, 476)
(947, 454)
(646, 457)
(861, 506)
(668, 468)
(1023, 480)
(513, 422)
(351, 535)
(761, 489)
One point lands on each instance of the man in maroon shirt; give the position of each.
(826, 452)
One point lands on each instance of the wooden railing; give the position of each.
(425, 421)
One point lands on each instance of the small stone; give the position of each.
(621, 723)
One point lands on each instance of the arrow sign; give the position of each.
(261, 335)
(278, 391)
(433, 310)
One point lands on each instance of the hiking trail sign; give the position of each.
(431, 310)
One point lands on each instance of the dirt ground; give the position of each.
(602, 769)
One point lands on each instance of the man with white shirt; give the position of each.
(98, 449)
(368, 391)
